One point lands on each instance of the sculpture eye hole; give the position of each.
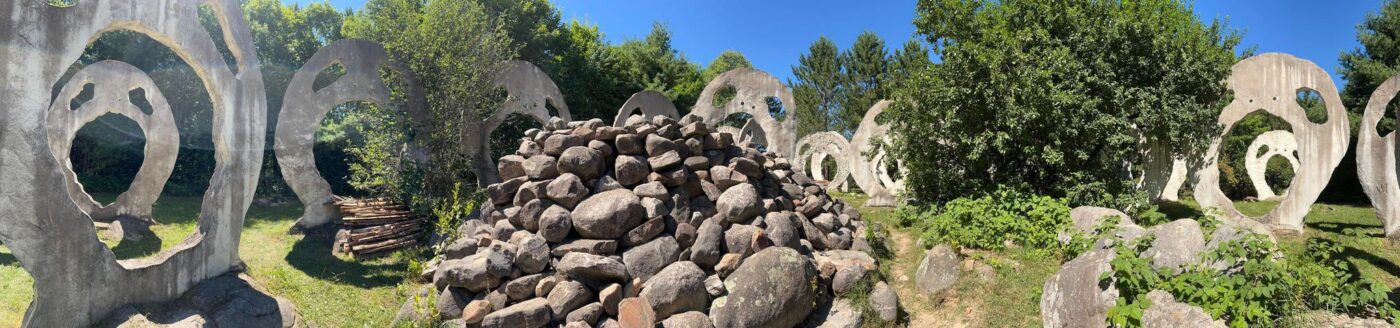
(1312, 104)
(138, 99)
(63, 3)
(328, 76)
(82, 98)
(211, 24)
(776, 108)
(725, 95)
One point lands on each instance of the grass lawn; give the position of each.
(328, 290)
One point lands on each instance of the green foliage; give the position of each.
(1016, 76)
(990, 222)
(817, 88)
(1377, 59)
(455, 209)
(1257, 287)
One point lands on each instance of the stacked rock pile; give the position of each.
(656, 222)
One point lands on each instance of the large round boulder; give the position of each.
(776, 287)
(1075, 297)
(608, 215)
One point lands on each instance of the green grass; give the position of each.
(328, 290)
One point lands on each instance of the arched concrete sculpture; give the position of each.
(816, 147)
(530, 90)
(112, 83)
(870, 175)
(753, 134)
(304, 107)
(77, 279)
(1164, 172)
(648, 103)
(1272, 143)
(752, 90)
(1375, 159)
(1271, 82)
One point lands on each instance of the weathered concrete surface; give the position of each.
(1375, 159)
(77, 280)
(752, 134)
(1270, 82)
(111, 82)
(648, 103)
(871, 175)
(531, 93)
(1164, 172)
(1273, 143)
(753, 88)
(816, 147)
(303, 108)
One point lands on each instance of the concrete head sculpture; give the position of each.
(872, 175)
(648, 103)
(813, 149)
(304, 107)
(77, 279)
(753, 89)
(1256, 160)
(1375, 159)
(112, 82)
(531, 93)
(1270, 82)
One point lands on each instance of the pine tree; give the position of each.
(866, 66)
(818, 87)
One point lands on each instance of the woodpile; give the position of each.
(375, 226)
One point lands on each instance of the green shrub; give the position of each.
(992, 221)
(1261, 287)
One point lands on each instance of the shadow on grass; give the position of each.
(312, 255)
(7, 259)
(1349, 229)
(127, 249)
(1176, 210)
(1376, 260)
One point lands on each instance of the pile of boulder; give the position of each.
(1075, 297)
(657, 222)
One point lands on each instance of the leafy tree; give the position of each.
(661, 68)
(867, 68)
(727, 61)
(1055, 95)
(591, 73)
(905, 61)
(454, 47)
(1378, 59)
(818, 87)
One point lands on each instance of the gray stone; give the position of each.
(555, 224)
(529, 215)
(631, 170)
(1074, 297)
(740, 204)
(451, 301)
(1166, 312)
(477, 273)
(511, 167)
(680, 287)
(938, 270)
(630, 144)
(657, 145)
(714, 285)
(774, 288)
(647, 259)
(608, 215)
(838, 313)
(653, 189)
(567, 190)
(541, 167)
(557, 144)
(709, 244)
(568, 296)
(783, 229)
(591, 246)
(460, 248)
(1177, 244)
(644, 232)
(610, 296)
(523, 288)
(884, 302)
(847, 278)
(504, 192)
(587, 314)
(738, 238)
(692, 319)
(584, 162)
(589, 267)
(1086, 218)
(534, 313)
(532, 252)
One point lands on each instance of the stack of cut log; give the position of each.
(375, 226)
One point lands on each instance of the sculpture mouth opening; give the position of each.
(1257, 162)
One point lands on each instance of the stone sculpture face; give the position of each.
(872, 175)
(816, 147)
(304, 107)
(1270, 82)
(752, 90)
(529, 89)
(648, 103)
(112, 81)
(1256, 161)
(1375, 159)
(77, 279)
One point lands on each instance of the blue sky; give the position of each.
(773, 33)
